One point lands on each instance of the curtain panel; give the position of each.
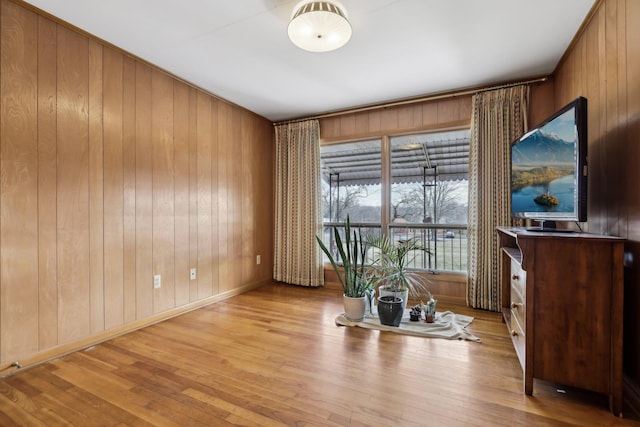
(298, 216)
(498, 118)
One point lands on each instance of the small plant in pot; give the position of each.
(396, 280)
(429, 309)
(356, 278)
(414, 315)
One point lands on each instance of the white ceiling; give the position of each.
(239, 50)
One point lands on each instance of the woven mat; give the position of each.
(447, 325)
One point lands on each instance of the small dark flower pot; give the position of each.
(390, 310)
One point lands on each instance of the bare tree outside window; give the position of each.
(338, 203)
(445, 202)
(351, 181)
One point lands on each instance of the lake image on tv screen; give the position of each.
(543, 163)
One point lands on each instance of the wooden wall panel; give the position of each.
(621, 140)
(430, 112)
(330, 127)
(265, 206)
(205, 273)
(47, 188)
(541, 101)
(113, 189)
(362, 123)
(348, 124)
(249, 196)
(612, 107)
(405, 116)
(144, 194)
(225, 164)
(449, 110)
(597, 146)
(129, 188)
(163, 214)
(193, 191)
(181, 196)
(96, 188)
(234, 233)
(566, 88)
(421, 116)
(19, 182)
(213, 161)
(375, 121)
(73, 188)
(389, 118)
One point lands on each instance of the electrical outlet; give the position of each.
(258, 259)
(193, 274)
(157, 281)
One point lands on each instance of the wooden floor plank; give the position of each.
(274, 357)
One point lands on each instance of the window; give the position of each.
(351, 181)
(411, 186)
(429, 196)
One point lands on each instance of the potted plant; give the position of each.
(429, 309)
(355, 277)
(396, 280)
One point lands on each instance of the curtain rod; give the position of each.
(413, 100)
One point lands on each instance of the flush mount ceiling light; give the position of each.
(319, 26)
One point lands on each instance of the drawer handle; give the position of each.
(515, 277)
(514, 305)
(514, 333)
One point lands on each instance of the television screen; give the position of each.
(549, 167)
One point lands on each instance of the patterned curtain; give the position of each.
(498, 118)
(298, 259)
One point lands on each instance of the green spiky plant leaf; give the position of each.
(355, 277)
(395, 256)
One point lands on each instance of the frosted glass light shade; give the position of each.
(319, 26)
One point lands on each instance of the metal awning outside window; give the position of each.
(443, 156)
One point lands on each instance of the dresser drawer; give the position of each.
(517, 307)
(518, 278)
(518, 339)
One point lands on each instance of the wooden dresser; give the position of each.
(562, 299)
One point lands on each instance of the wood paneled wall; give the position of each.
(449, 112)
(112, 172)
(603, 65)
(430, 115)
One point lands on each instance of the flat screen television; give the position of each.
(549, 169)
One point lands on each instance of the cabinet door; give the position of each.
(571, 321)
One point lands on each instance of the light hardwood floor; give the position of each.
(273, 356)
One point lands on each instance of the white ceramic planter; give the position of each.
(354, 307)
